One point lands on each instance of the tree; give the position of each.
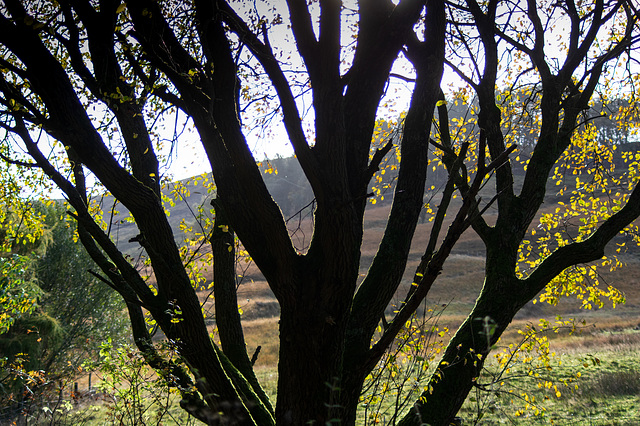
(21, 232)
(22, 327)
(54, 312)
(94, 76)
(85, 308)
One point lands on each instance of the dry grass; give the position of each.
(603, 341)
(263, 332)
(457, 287)
(614, 383)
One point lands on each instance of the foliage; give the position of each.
(136, 394)
(21, 232)
(21, 228)
(528, 364)
(30, 337)
(102, 82)
(18, 291)
(56, 313)
(85, 308)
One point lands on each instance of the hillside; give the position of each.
(457, 287)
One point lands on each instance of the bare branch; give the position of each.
(17, 162)
(292, 121)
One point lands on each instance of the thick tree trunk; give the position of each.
(309, 367)
(311, 349)
(314, 316)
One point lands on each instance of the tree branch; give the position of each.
(226, 301)
(489, 116)
(292, 122)
(382, 31)
(212, 103)
(450, 160)
(431, 264)
(378, 156)
(16, 162)
(584, 251)
(386, 270)
(576, 55)
(77, 201)
(306, 41)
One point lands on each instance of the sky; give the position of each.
(269, 141)
(187, 158)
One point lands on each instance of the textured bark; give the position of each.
(326, 323)
(313, 321)
(226, 303)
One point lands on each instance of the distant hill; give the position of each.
(463, 272)
(292, 192)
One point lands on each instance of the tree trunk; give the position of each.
(464, 358)
(309, 367)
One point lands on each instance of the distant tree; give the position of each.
(55, 313)
(95, 76)
(18, 290)
(21, 233)
(86, 309)
(23, 327)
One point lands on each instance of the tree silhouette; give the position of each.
(94, 76)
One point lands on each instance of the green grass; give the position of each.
(593, 379)
(607, 392)
(104, 411)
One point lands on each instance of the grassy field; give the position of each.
(597, 379)
(604, 353)
(596, 372)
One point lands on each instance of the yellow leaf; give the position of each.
(120, 8)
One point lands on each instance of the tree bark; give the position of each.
(326, 323)
(227, 315)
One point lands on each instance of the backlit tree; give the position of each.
(94, 76)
